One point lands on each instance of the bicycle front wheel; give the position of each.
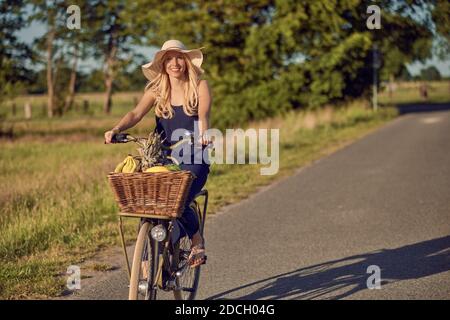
(144, 268)
(190, 277)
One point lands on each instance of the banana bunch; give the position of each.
(128, 165)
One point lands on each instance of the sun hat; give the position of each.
(154, 67)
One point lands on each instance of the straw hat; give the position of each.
(154, 67)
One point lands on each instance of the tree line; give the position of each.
(262, 57)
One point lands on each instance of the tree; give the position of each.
(430, 74)
(405, 75)
(92, 81)
(113, 32)
(53, 14)
(14, 54)
(441, 18)
(79, 46)
(264, 57)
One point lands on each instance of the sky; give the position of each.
(37, 30)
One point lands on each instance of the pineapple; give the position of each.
(150, 150)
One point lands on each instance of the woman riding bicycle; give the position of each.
(181, 101)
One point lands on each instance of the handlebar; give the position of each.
(189, 138)
(125, 137)
(120, 138)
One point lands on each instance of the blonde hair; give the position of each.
(160, 85)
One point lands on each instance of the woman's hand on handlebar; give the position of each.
(109, 134)
(205, 140)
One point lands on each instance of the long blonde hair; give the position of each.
(160, 85)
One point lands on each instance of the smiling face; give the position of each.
(174, 64)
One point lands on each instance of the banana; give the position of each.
(119, 167)
(133, 165)
(157, 169)
(128, 165)
(126, 168)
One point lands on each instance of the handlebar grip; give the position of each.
(120, 138)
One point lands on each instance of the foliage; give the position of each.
(441, 16)
(430, 73)
(13, 53)
(264, 57)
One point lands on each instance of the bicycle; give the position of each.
(160, 260)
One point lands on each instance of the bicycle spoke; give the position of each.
(188, 280)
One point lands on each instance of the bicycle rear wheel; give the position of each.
(190, 277)
(144, 268)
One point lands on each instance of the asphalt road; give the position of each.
(382, 201)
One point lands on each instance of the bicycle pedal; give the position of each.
(171, 285)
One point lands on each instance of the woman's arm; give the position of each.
(204, 107)
(134, 116)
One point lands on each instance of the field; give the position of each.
(56, 208)
(408, 92)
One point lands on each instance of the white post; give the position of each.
(376, 65)
(27, 110)
(375, 91)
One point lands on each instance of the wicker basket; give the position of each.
(161, 193)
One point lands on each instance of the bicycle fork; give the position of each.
(162, 264)
(165, 277)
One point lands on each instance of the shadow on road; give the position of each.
(404, 108)
(338, 279)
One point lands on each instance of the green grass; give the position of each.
(56, 208)
(122, 102)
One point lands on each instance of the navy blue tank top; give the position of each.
(183, 122)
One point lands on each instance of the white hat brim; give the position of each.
(153, 68)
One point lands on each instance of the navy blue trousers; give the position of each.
(189, 220)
